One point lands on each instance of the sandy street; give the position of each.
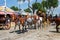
(41, 34)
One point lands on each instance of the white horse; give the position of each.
(39, 22)
(29, 22)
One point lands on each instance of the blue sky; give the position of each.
(15, 3)
(57, 10)
(25, 4)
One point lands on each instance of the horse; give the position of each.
(33, 21)
(20, 20)
(42, 15)
(23, 22)
(56, 20)
(17, 22)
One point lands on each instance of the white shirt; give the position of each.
(40, 18)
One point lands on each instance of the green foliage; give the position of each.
(52, 3)
(36, 6)
(27, 10)
(55, 3)
(44, 4)
(14, 8)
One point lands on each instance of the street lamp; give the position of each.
(5, 8)
(5, 3)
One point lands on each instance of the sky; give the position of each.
(25, 4)
(15, 3)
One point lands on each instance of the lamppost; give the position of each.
(5, 8)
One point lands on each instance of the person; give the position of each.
(8, 20)
(39, 13)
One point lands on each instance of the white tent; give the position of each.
(2, 8)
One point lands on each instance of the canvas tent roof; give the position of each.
(7, 9)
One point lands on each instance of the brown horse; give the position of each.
(20, 20)
(17, 22)
(56, 20)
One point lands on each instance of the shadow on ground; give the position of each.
(1, 29)
(31, 28)
(19, 31)
(54, 31)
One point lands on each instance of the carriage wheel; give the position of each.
(7, 27)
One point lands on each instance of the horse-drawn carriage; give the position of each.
(5, 20)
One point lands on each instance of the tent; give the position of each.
(7, 11)
(2, 8)
(2, 12)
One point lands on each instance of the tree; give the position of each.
(53, 5)
(27, 10)
(36, 6)
(45, 6)
(14, 8)
(50, 5)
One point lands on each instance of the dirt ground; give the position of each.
(31, 34)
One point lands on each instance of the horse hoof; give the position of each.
(57, 31)
(22, 31)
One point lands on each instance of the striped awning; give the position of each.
(2, 12)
